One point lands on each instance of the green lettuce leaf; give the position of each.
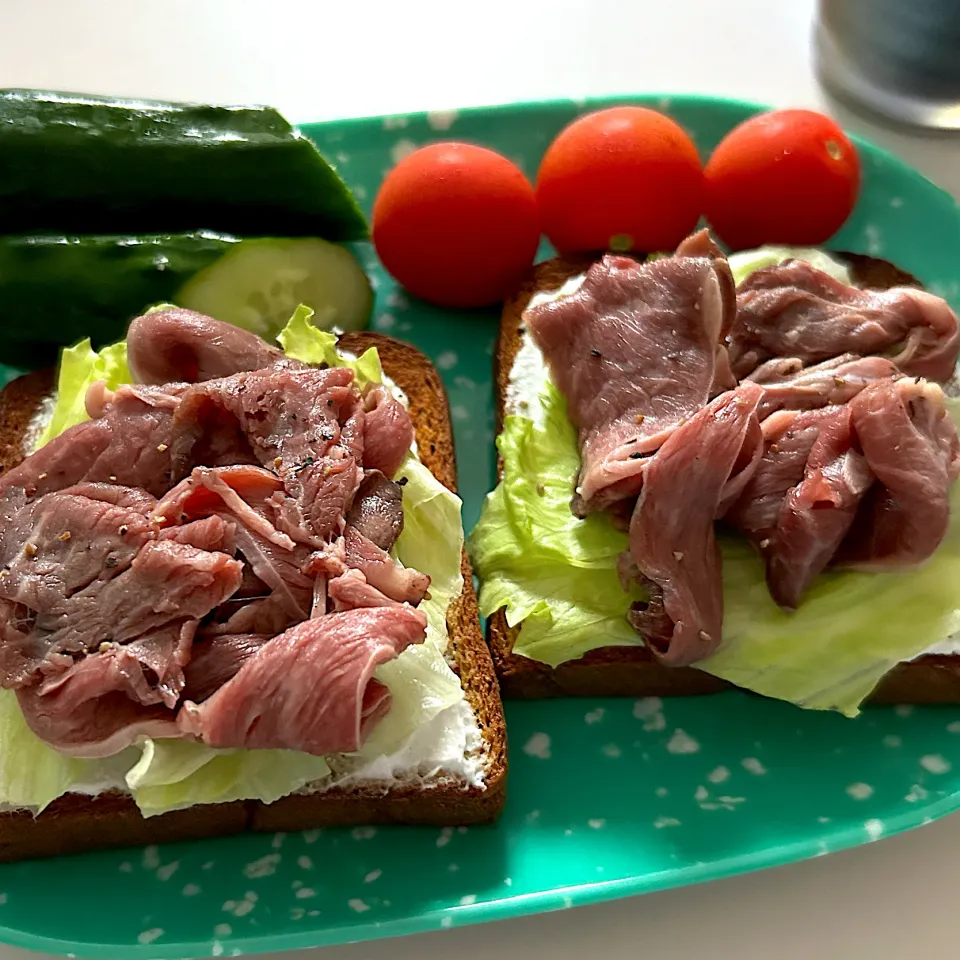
(303, 341)
(165, 775)
(744, 263)
(81, 366)
(557, 576)
(552, 572)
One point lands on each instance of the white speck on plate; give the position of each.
(454, 867)
(594, 716)
(662, 822)
(532, 817)
(953, 726)
(386, 321)
(753, 765)
(446, 360)
(397, 298)
(538, 746)
(373, 875)
(662, 792)
(191, 890)
(465, 383)
(701, 794)
(718, 775)
(359, 191)
(264, 867)
(612, 751)
(401, 149)
(903, 709)
(682, 742)
(222, 930)
(874, 239)
(243, 908)
(216, 949)
(277, 841)
(459, 412)
(597, 824)
(916, 793)
(446, 835)
(441, 119)
(151, 857)
(468, 899)
(394, 123)
(650, 711)
(896, 202)
(297, 913)
(874, 828)
(148, 936)
(305, 893)
(364, 833)
(823, 819)
(165, 872)
(358, 906)
(664, 103)
(304, 862)
(3, 899)
(126, 867)
(462, 830)
(209, 865)
(342, 157)
(508, 881)
(316, 913)
(296, 885)
(311, 836)
(446, 922)
(935, 763)
(860, 791)
(892, 740)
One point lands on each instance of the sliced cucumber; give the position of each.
(259, 283)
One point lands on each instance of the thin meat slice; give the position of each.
(310, 689)
(635, 349)
(377, 510)
(795, 310)
(673, 548)
(351, 590)
(803, 497)
(788, 385)
(171, 344)
(911, 445)
(387, 430)
(403, 584)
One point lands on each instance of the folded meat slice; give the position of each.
(403, 584)
(377, 509)
(702, 465)
(788, 385)
(351, 590)
(128, 444)
(387, 430)
(795, 310)
(635, 349)
(911, 445)
(216, 660)
(311, 688)
(803, 498)
(171, 343)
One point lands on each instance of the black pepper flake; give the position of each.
(306, 462)
(402, 482)
(636, 456)
(594, 353)
(123, 529)
(329, 403)
(112, 561)
(293, 416)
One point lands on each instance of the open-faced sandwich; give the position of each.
(234, 594)
(721, 472)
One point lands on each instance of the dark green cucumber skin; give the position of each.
(57, 290)
(72, 163)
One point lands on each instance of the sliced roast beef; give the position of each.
(788, 385)
(387, 430)
(377, 510)
(803, 497)
(635, 349)
(170, 344)
(403, 584)
(911, 445)
(701, 466)
(350, 590)
(795, 310)
(311, 688)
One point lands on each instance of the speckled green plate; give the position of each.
(607, 798)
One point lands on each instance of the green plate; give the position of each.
(607, 798)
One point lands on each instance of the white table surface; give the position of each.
(317, 60)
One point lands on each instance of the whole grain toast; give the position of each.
(75, 822)
(634, 671)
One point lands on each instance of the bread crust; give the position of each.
(633, 671)
(76, 823)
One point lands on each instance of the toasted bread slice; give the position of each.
(634, 671)
(76, 822)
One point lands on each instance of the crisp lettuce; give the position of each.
(552, 572)
(556, 575)
(744, 263)
(81, 366)
(165, 775)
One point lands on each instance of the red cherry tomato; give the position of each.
(626, 178)
(790, 176)
(456, 224)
